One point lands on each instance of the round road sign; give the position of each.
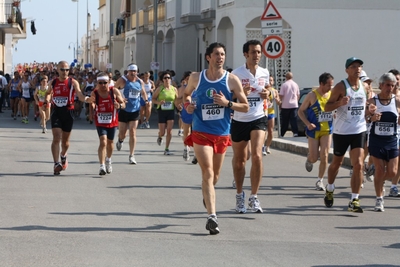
(273, 47)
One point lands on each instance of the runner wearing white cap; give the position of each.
(128, 118)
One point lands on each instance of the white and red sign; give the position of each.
(273, 47)
(271, 20)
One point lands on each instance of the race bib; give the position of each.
(133, 94)
(253, 101)
(105, 118)
(325, 116)
(60, 101)
(384, 128)
(211, 112)
(355, 113)
(166, 106)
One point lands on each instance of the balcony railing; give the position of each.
(160, 13)
(11, 14)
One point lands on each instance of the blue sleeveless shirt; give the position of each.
(132, 92)
(209, 117)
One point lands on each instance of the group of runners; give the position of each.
(220, 109)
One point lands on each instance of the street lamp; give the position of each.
(77, 25)
(75, 49)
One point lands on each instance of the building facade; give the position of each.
(319, 35)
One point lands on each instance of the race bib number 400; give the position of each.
(105, 118)
(384, 128)
(60, 101)
(211, 112)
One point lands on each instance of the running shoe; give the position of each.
(234, 184)
(264, 152)
(43, 130)
(159, 141)
(180, 132)
(57, 168)
(379, 205)
(194, 161)
(354, 206)
(212, 225)
(254, 205)
(147, 125)
(309, 165)
(102, 170)
(64, 162)
(141, 126)
(26, 121)
(166, 152)
(15, 118)
(351, 171)
(23, 120)
(319, 186)
(268, 151)
(108, 166)
(186, 154)
(132, 160)
(118, 144)
(394, 192)
(328, 199)
(369, 173)
(240, 206)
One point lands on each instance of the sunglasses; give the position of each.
(167, 78)
(102, 83)
(64, 69)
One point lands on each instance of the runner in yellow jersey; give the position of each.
(319, 126)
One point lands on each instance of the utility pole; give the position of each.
(155, 21)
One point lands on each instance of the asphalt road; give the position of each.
(151, 214)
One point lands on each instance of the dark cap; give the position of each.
(351, 60)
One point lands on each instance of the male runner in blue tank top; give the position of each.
(215, 90)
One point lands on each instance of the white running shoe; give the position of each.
(254, 205)
(379, 205)
(108, 167)
(240, 207)
(102, 171)
(186, 155)
(233, 184)
(180, 132)
(264, 152)
(147, 125)
(132, 160)
(319, 186)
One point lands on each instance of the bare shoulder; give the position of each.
(234, 81)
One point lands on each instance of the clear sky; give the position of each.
(56, 25)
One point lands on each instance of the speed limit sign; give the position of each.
(273, 47)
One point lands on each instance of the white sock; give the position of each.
(253, 196)
(102, 166)
(353, 196)
(320, 179)
(108, 159)
(330, 187)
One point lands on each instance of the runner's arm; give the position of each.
(337, 98)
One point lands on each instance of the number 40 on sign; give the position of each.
(273, 47)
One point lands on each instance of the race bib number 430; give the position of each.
(211, 112)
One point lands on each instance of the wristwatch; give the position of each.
(230, 104)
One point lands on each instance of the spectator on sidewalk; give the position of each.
(290, 95)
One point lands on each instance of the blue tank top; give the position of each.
(132, 92)
(14, 91)
(209, 117)
(383, 133)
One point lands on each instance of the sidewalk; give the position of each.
(299, 145)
